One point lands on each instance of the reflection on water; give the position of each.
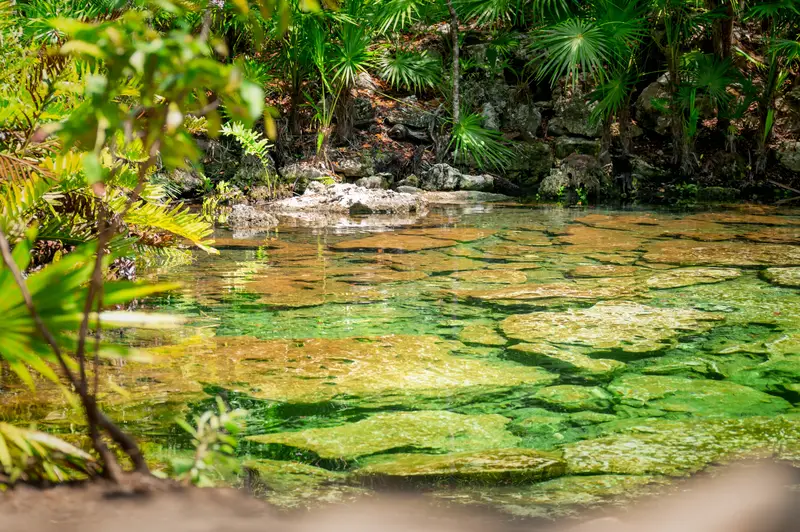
(534, 360)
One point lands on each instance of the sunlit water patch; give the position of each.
(537, 361)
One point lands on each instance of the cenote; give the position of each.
(536, 360)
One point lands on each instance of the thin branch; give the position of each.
(110, 466)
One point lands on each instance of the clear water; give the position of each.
(535, 360)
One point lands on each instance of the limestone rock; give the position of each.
(573, 116)
(363, 111)
(531, 162)
(186, 181)
(375, 182)
(441, 177)
(301, 174)
(577, 171)
(789, 155)
(565, 146)
(409, 113)
(354, 167)
(347, 198)
(403, 132)
(651, 112)
(253, 172)
(409, 181)
(247, 217)
(524, 118)
(364, 82)
(405, 189)
(483, 183)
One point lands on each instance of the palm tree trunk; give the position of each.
(680, 146)
(456, 65)
(624, 119)
(722, 37)
(764, 107)
(344, 115)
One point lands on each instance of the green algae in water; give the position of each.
(514, 358)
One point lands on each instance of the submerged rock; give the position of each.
(690, 276)
(603, 270)
(352, 199)
(492, 466)
(573, 397)
(613, 288)
(778, 376)
(688, 253)
(565, 360)
(492, 276)
(432, 430)
(293, 485)
(675, 448)
(626, 327)
(783, 276)
(412, 240)
(388, 370)
(700, 397)
(477, 333)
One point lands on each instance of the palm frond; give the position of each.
(473, 142)
(613, 94)
(396, 15)
(491, 12)
(34, 456)
(410, 70)
(572, 47)
(351, 55)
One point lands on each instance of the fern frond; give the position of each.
(178, 220)
(19, 200)
(18, 169)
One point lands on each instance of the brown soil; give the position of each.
(744, 499)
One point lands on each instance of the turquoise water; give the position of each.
(539, 361)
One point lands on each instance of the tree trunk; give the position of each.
(344, 115)
(456, 64)
(624, 127)
(764, 107)
(722, 37)
(680, 144)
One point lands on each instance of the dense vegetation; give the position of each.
(101, 102)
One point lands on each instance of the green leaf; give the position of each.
(92, 168)
(253, 97)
